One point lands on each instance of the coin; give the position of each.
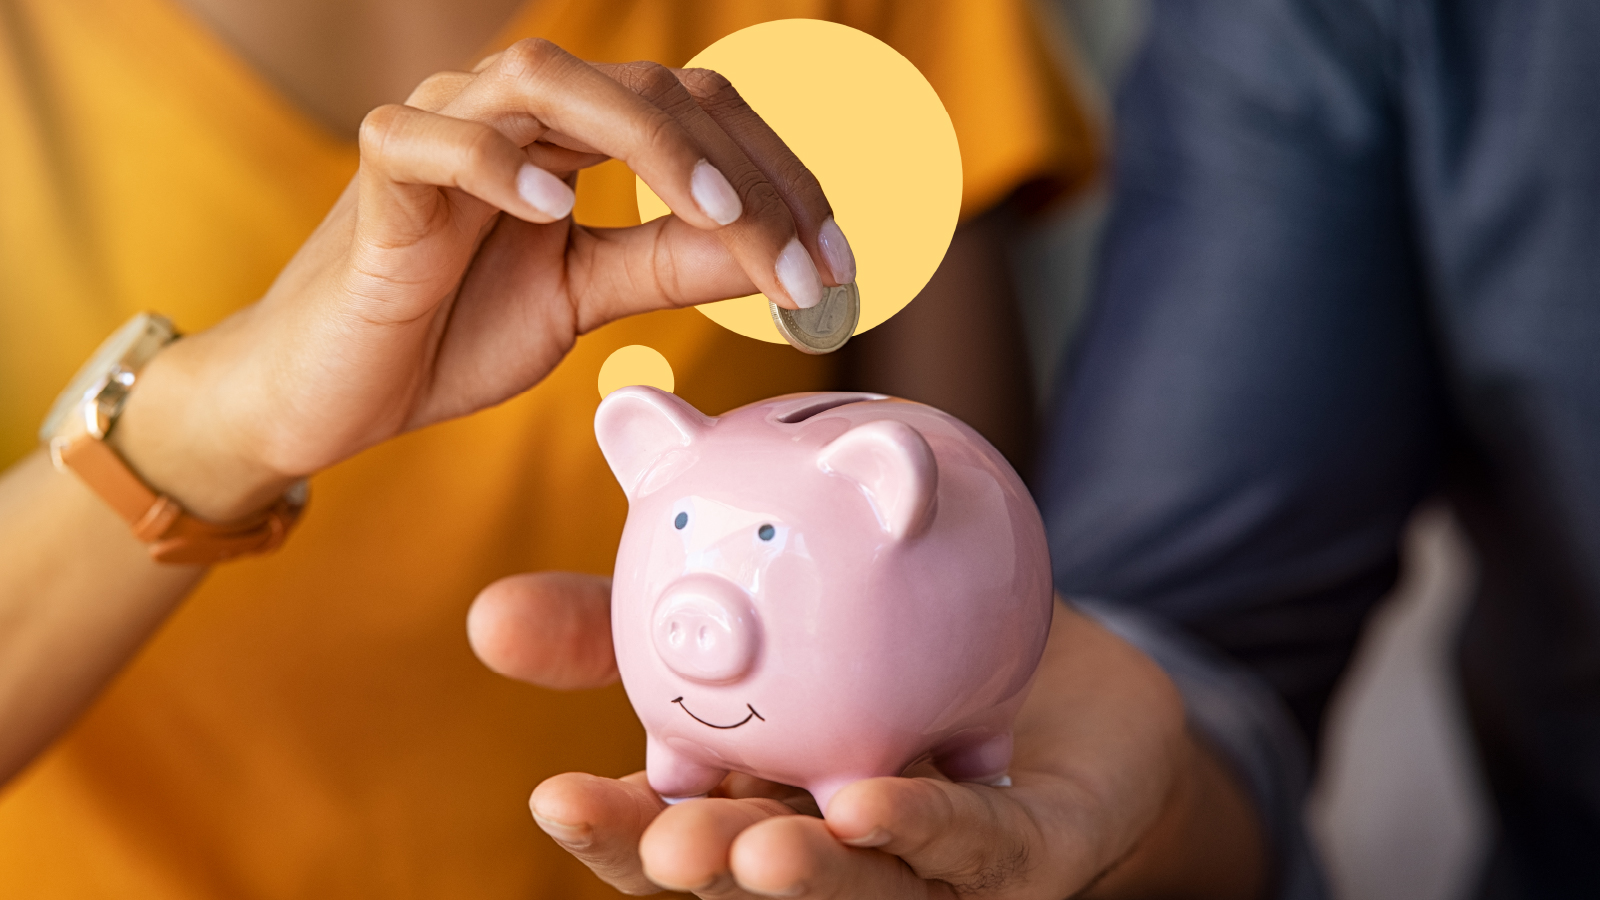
(825, 327)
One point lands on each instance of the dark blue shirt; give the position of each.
(1353, 261)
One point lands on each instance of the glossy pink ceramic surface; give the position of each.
(820, 588)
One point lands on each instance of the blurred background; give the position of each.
(1399, 811)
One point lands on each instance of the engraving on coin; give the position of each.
(825, 327)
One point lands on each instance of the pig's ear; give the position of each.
(638, 425)
(894, 467)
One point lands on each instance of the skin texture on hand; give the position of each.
(1112, 795)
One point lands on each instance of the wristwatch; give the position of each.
(81, 421)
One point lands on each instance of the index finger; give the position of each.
(770, 226)
(599, 821)
(786, 172)
(537, 91)
(537, 79)
(630, 838)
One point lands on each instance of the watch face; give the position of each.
(131, 346)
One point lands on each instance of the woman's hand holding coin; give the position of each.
(450, 276)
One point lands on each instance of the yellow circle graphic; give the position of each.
(872, 130)
(635, 364)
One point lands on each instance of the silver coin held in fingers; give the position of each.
(825, 327)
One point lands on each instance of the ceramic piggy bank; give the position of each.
(820, 588)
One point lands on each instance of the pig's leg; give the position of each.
(983, 760)
(675, 776)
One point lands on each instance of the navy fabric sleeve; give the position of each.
(1250, 413)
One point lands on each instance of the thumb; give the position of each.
(552, 629)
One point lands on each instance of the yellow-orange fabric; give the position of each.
(312, 724)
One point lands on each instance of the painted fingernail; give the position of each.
(798, 275)
(876, 838)
(836, 250)
(716, 196)
(574, 837)
(545, 192)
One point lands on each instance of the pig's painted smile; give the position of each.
(753, 714)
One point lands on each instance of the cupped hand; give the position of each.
(1111, 796)
(450, 275)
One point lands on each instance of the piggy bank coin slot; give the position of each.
(812, 406)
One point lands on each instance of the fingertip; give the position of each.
(874, 812)
(560, 809)
(581, 799)
(859, 811)
(491, 641)
(714, 194)
(547, 628)
(572, 837)
(598, 820)
(836, 251)
(779, 857)
(877, 837)
(798, 275)
(685, 848)
(561, 798)
(547, 194)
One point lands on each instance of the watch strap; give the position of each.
(160, 522)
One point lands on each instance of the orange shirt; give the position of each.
(313, 724)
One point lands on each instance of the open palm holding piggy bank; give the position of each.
(820, 588)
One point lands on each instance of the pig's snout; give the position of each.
(705, 629)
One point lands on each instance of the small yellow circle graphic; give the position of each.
(635, 364)
(872, 130)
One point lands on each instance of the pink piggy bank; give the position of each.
(820, 588)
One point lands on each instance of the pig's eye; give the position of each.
(680, 521)
(766, 532)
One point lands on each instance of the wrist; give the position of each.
(175, 431)
(1207, 842)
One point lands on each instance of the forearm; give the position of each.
(78, 597)
(1207, 843)
(78, 593)
(1243, 734)
(1188, 827)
